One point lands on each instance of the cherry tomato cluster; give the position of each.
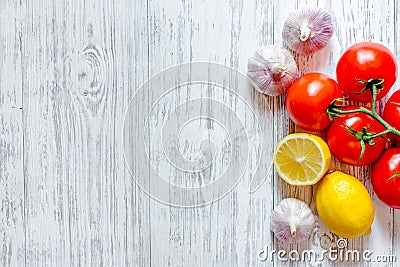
(356, 134)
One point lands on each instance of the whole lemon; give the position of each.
(344, 205)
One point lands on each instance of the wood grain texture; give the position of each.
(12, 182)
(68, 70)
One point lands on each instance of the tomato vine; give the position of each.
(339, 107)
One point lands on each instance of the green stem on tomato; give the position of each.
(376, 116)
(380, 134)
(373, 85)
(336, 108)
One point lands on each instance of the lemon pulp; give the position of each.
(301, 158)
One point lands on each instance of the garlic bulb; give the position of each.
(307, 30)
(272, 69)
(292, 221)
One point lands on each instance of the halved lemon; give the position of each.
(301, 158)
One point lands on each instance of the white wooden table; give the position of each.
(68, 71)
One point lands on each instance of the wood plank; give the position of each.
(12, 199)
(47, 187)
(131, 204)
(284, 126)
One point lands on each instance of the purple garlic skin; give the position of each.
(292, 221)
(308, 30)
(272, 70)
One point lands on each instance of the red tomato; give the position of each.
(308, 98)
(346, 148)
(391, 113)
(385, 181)
(366, 61)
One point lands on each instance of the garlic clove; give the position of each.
(292, 221)
(272, 70)
(306, 31)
